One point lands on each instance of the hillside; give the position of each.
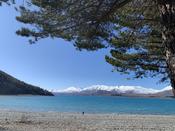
(167, 93)
(12, 86)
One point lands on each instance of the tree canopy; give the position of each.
(6, 1)
(87, 23)
(139, 32)
(138, 44)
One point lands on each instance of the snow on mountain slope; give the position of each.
(166, 88)
(68, 90)
(122, 89)
(114, 89)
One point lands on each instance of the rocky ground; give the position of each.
(26, 121)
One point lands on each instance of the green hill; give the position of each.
(12, 86)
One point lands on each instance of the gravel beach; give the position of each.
(32, 121)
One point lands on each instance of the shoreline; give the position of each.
(81, 113)
(58, 121)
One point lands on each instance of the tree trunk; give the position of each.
(167, 10)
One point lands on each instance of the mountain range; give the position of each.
(12, 86)
(116, 91)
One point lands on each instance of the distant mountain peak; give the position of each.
(112, 90)
(68, 90)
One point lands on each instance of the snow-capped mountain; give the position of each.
(122, 89)
(68, 90)
(112, 90)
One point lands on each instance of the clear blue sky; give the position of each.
(55, 64)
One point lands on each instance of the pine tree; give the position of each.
(138, 44)
(141, 33)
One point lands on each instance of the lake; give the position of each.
(89, 104)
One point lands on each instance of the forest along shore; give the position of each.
(50, 121)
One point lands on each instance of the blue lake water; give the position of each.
(89, 104)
